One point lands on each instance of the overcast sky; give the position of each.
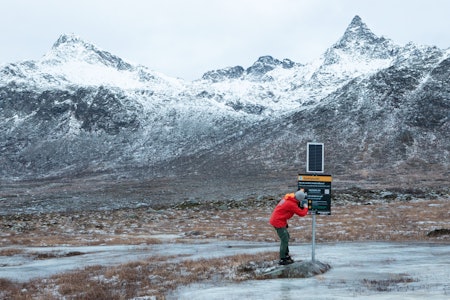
(186, 38)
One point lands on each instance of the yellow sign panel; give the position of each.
(320, 178)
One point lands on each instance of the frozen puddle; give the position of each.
(359, 270)
(34, 262)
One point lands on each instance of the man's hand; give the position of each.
(304, 203)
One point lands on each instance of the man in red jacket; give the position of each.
(288, 206)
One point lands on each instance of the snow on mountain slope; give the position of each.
(72, 61)
(274, 86)
(268, 87)
(82, 108)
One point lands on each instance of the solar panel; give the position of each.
(315, 158)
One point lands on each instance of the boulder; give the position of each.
(302, 269)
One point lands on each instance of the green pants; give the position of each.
(284, 241)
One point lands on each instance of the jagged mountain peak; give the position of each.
(68, 39)
(359, 42)
(259, 68)
(267, 63)
(71, 47)
(357, 30)
(357, 25)
(225, 73)
(73, 61)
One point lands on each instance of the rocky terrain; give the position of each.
(399, 217)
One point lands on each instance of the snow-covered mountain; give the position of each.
(379, 107)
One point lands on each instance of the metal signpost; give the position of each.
(317, 187)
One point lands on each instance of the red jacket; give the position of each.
(286, 208)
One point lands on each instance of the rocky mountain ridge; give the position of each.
(379, 108)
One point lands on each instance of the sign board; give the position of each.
(318, 189)
(315, 158)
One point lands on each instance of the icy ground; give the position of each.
(363, 270)
(359, 270)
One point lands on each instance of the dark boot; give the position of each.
(285, 261)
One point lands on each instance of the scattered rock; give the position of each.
(194, 233)
(439, 232)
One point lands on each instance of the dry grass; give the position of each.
(410, 221)
(389, 284)
(395, 221)
(156, 276)
(10, 251)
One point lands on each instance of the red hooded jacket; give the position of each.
(286, 208)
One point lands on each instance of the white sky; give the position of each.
(186, 38)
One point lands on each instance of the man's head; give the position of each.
(300, 195)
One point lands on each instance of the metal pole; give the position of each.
(313, 254)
